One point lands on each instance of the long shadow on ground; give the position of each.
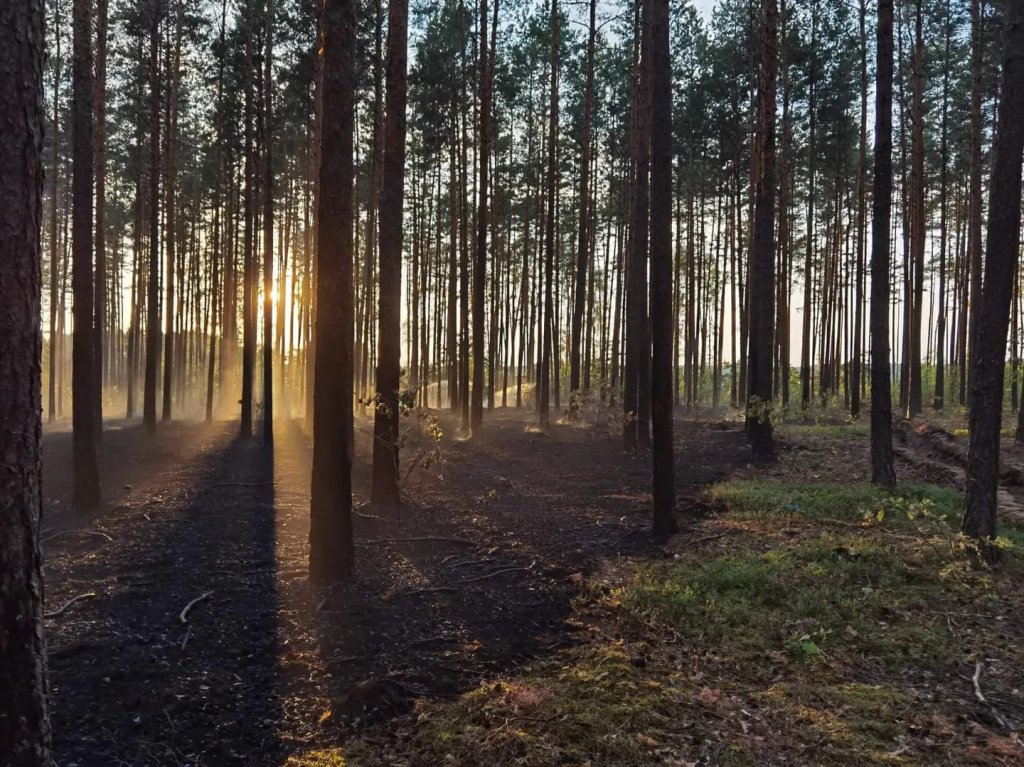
(130, 682)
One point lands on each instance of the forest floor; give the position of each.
(520, 614)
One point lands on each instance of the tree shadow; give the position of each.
(131, 681)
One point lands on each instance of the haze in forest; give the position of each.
(399, 383)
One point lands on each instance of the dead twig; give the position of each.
(183, 616)
(375, 517)
(79, 531)
(709, 538)
(420, 539)
(980, 697)
(427, 590)
(73, 600)
(472, 562)
(498, 572)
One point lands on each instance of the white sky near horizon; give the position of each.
(705, 7)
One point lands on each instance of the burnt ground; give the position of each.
(264, 666)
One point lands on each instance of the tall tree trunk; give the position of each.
(451, 325)
(100, 159)
(385, 492)
(153, 283)
(217, 214)
(806, 355)
(637, 404)
(974, 265)
(882, 468)
(51, 408)
(549, 233)
(268, 228)
(86, 493)
(248, 257)
(664, 490)
(25, 732)
(862, 205)
(988, 360)
(583, 249)
(476, 414)
(330, 531)
(915, 395)
(940, 330)
(762, 289)
(171, 207)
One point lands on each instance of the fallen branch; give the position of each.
(80, 531)
(471, 563)
(183, 616)
(498, 572)
(245, 484)
(427, 590)
(73, 600)
(423, 539)
(980, 696)
(376, 517)
(709, 538)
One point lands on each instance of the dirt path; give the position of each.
(942, 457)
(262, 659)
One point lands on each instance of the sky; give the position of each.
(705, 6)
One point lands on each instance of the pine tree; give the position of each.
(882, 468)
(86, 493)
(988, 359)
(661, 270)
(385, 491)
(24, 724)
(330, 532)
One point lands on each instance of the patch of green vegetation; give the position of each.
(318, 757)
(807, 599)
(847, 502)
(603, 708)
(929, 510)
(853, 723)
(856, 429)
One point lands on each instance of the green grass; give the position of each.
(823, 501)
(836, 591)
(859, 429)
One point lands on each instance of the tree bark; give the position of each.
(268, 229)
(476, 414)
(385, 492)
(762, 290)
(974, 234)
(549, 327)
(883, 471)
(583, 248)
(661, 270)
(988, 360)
(636, 388)
(100, 158)
(330, 532)
(153, 286)
(24, 724)
(86, 492)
